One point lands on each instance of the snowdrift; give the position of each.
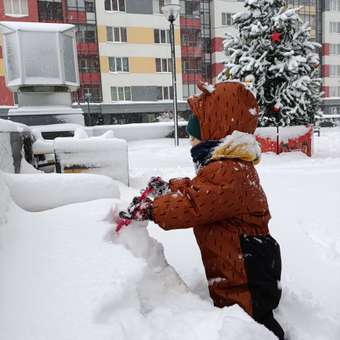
(37, 192)
(67, 275)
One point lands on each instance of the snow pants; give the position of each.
(262, 265)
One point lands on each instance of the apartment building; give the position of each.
(331, 52)
(124, 50)
(134, 48)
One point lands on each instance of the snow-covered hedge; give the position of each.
(137, 131)
(4, 198)
(38, 192)
(103, 155)
(6, 158)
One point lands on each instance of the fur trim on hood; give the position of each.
(239, 145)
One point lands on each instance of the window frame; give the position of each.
(163, 63)
(159, 33)
(121, 61)
(227, 19)
(113, 29)
(9, 8)
(115, 6)
(165, 92)
(124, 90)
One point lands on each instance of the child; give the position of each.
(225, 204)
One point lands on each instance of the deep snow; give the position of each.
(64, 274)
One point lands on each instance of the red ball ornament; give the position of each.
(276, 37)
(276, 109)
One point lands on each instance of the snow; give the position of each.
(6, 158)
(9, 126)
(66, 275)
(101, 155)
(209, 87)
(4, 200)
(285, 133)
(139, 131)
(33, 26)
(38, 192)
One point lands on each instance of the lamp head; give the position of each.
(171, 9)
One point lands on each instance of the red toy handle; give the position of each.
(125, 222)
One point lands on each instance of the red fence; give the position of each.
(291, 138)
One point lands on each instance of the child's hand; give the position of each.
(159, 186)
(138, 210)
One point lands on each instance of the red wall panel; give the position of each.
(325, 49)
(217, 45)
(325, 90)
(216, 69)
(325, 70)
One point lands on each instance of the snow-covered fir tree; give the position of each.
(273, 45)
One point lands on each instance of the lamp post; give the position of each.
(171, 10)
(88, 99)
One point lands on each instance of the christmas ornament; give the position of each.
(276, 37)
(276, 108)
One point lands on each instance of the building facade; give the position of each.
(135, 55)
(124, 50)
(331, 52)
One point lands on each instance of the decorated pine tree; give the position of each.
(273, 45)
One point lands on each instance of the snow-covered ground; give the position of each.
(65, 276)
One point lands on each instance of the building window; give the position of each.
(50, 10)
(334, 71)
(119, 64)
(334, 91)
(191, 37)
(161, 36)
(88, 64)
(192, 8)
(116, 34)
(93, 93)
(165, 93)
(163, 65)
(157, 6)
(227, 19)
(120, 93)
(89, 6)
(192, 65)
(115, 5)
(334, 49)
(333, 5)
(86, 34)
(16, 7)
(334, 27)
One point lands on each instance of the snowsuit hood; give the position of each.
(224, 108)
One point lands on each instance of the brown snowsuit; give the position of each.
(227, 208)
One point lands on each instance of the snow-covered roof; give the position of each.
(10, 26)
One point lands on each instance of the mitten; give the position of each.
(159, 186)
(139, 210)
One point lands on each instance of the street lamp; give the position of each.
(88, 97)
(171, 10)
